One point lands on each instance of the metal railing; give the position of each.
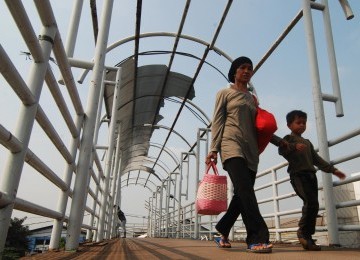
(278, 220)
(17, 142)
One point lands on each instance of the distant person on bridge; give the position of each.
(122, 220)
(234, 136)
(302, 157)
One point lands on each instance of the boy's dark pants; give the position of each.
(243, 202)
(306, 187)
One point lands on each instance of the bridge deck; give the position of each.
(162, 248)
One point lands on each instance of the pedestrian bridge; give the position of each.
(162, 248)
(109, 103)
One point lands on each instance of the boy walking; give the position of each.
(302, 157)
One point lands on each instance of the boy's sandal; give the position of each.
(222, 243)
(260, 248)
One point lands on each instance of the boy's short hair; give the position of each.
(291, 116)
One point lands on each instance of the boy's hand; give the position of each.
(300, 147)
(339, 174)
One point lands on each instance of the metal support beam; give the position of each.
(80, 187)
(329, 198)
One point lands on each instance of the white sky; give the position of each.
(283, 83)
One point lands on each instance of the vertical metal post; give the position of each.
(167, 205)
(276, 204)
(98, 123)
(197, 179)
(178, 229)
(91, 233)
(207, 141)
(92, 217)
(69, 49)
(98, 120)
(187, 161)
(10, 178)
(73, 29)
(149, 218)
(156, 229)
(109, 157)
(331, 217)
(197, 173)
(152, 217)
(161, 208)
(111, 197)
(347, 9)
(86, 147)
(117, 185)
(176, 181)
(332, 60)
(64, 195)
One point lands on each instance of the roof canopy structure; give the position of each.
(140, 106)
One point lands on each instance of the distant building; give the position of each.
(357, 192)
(39, 239)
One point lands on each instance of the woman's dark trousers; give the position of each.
(306, 187)
(243, 202)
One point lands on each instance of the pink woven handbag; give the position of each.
(211, 198)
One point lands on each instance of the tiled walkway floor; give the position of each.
(162, 248)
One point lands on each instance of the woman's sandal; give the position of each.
(268, 245)
(260, 248)
(222, 242)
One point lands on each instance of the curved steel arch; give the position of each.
(136, 183)
(147, 158)
(149, 170)
(142, 168)
(150, 158)
(138, 158)
(169, 129)
(164, 164)
(186, 54)
(169, 152)
(198, 108)
(158, 34)
(162, 34)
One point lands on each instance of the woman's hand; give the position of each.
(212, 156)
(283, 144)
(339, 174)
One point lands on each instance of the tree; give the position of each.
(16, 242)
